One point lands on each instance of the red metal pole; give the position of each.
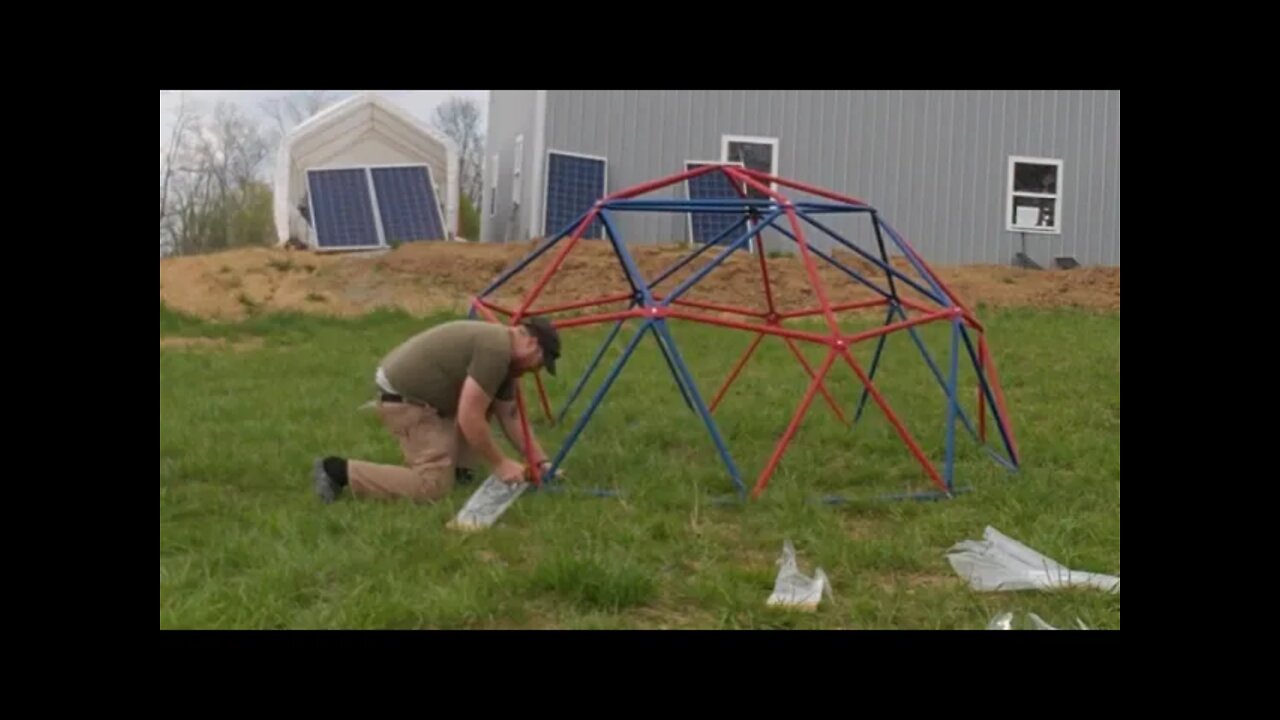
(579, 304)
(555, 264)
(595, 319)
(714, 306)
(528, 437)
(737, 368)
(802, 187)
(982, 397)
(810, 267)
(822, 387)
(900, 325)
(760, 328)
(483, 307)
(764, 274)
(795, 424)
(835, 308)
(494, 306)
(542, 395)
(918, 307)
(893, 419)
(994, 379)
(849, 199)
(660, 183)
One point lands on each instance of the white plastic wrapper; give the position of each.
(487, 504)
(1004, 621)
(998, 563)
(794, 590)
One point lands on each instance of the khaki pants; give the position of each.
(432, 447)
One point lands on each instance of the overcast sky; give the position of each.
(420, 103)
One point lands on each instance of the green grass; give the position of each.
(244, 544)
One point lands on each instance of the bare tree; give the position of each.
(293, 109)
(216, 198)
(459, 119)
(177, 141)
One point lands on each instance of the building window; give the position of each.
(756, 153)
(493, 186)
(1035, 197)
(517, 171)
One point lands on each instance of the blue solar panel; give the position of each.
(574, 184)
(407, 204)
(705, 227)
(341, 208)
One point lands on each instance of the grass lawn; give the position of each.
(245, 407)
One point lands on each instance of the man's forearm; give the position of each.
(476, 431)
(509, 418)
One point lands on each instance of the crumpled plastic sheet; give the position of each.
(487, 504)
(1004, 621)
(794, 590)
(999, 563)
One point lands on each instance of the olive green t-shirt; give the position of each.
(432, 365)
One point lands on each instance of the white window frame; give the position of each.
(493, 184)
(773, 159)
(688, 217)
(1010, 194)
(546, 188)
(517, 171)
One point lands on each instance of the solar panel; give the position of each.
(341, 208)
(574, 184)
(407, 204)
(705, 227)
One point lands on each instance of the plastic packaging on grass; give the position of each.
(1004, 621)
(487, 504)
(794, 590)
(999, 563)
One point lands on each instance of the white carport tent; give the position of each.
(363, 130)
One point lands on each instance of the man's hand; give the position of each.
(509, 471)
(545, 465)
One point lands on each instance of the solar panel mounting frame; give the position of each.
(431, 178)
(688, 218)
(373, 199)
(546, 188)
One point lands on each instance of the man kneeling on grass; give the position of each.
(439, 390)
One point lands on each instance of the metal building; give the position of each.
(967, 176)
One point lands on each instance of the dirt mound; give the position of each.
(428, 277)
(199, 343)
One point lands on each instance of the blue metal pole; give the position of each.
(953, 404)
(875, 363)
(838, 265)
(702, 409)
(595, 402)
(709, 210)
(671, 366)
(532, 256)
(591, 368)
(729, 250)
(688, 259)
(698, 204)
(694, 204)
(939, 297)
(991, 400)
(640, 288)
(613, 238)
(937, 374)
(628, 265)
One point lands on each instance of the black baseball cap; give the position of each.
(548, 338)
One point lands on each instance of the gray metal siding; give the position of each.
(511, 113)
(935, 163)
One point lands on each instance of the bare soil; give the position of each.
(429, 277)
